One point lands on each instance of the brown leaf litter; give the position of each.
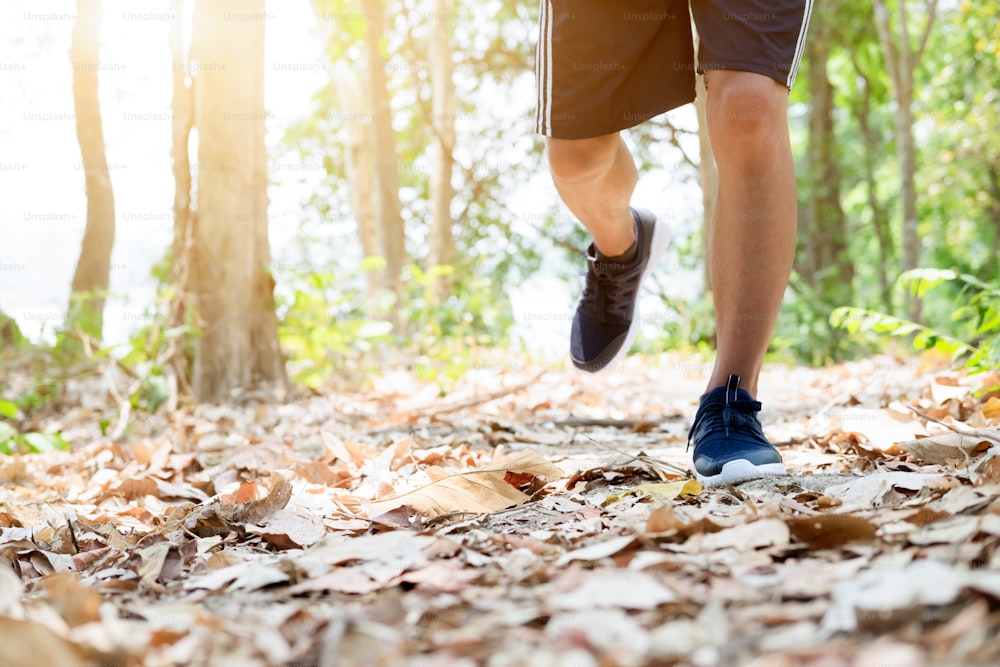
(523, 519)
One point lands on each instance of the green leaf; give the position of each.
(39, 443)
(9, 410)
(7, 434)
(918, 281)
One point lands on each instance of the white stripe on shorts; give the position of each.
(543, 70)
(800, 45)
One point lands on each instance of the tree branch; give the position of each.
(932, 6)
(885, 36)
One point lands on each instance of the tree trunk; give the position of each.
(993, 175)
(357, 116)
(182, 107)
(829, 268)
(359, 169)
(708, 174)
(906, 154)
(443, 110)
(880, 220)
(93, 269)
(902, 59)
(386, 155)
(232, 289)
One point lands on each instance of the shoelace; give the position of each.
(607, 292)
(715, 419)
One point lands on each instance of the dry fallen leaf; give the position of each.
(580, 590)
(831, 530)
(888, 591)
(659, 491)
(484, 490)
(286, 529)
(867, 491)
(254, 510)
(663, 519)
(763, 533)
(76, 604)
(596, 551)
(944, 447)
(29, 644)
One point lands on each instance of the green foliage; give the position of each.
(972, 335)
(324, 326)
(12, 441)
(329, 328)
(447, 336)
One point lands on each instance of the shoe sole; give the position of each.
(658, 246)
(741, 470)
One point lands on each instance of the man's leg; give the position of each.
(752, 241)
(595, 178)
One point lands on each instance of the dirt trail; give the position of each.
(518, 519)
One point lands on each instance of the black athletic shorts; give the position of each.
(605, 65)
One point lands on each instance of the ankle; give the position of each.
(748, 383)
(617, 245)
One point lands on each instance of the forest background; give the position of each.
(407, 199)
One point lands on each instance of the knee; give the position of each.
(747, 107)
(581, 160)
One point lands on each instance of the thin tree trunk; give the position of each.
(386, 155)
(826, 238)
(880, 220)
(993, 173)
(443, 111)
(233, 291)
(708, 174)
(902, 60)
(93, 269)
(182, 106)
(359, 169)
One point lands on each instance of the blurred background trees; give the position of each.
(422, 134)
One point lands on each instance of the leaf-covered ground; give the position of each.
(526, 517)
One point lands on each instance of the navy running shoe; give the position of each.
(729, 443)
(607, 316)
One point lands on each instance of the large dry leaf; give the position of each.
(286, 529)
(11, 591)
(383, 556)
(485, 490)
(254, 510)
(75, 603)
(659, 491)
(887, 591)
(131, 489)
(343, 580)
(831, 530)
(447, 576)
(867, 492)
(610, 631)
(882, 426)
(763, 533)
(945, 447)
(954, 530)
(662, 520)
(596, 551)
(242, 576)
(27, 644)
(608, 588)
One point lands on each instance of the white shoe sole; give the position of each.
(741, 470)
(658, 246)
